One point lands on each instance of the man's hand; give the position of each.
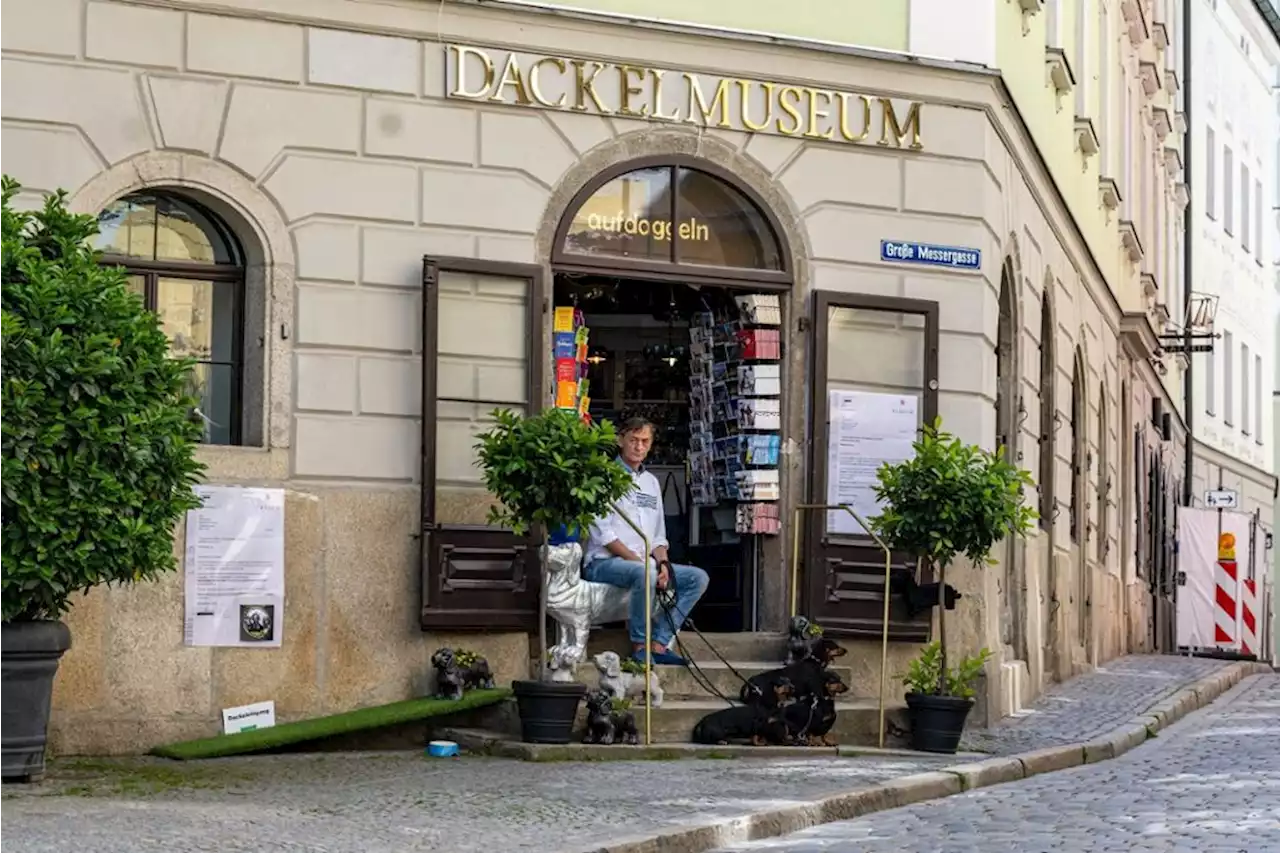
(664, 576)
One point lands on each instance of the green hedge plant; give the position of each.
(98, 430)
(951, 499)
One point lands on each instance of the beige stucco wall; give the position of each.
(327, 141)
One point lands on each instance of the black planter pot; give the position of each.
(937, 721)
(29, 654)
(547, 709)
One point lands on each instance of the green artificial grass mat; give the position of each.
(285, 734)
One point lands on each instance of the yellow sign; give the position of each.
(1227, 546)
(678, 97)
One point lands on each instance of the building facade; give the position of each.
(359, 219)
(1236, 54)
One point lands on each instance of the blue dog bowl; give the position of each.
(442, 749)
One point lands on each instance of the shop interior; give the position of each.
(702, 363)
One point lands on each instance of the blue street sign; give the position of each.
(906, 252)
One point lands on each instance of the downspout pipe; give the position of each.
(1188, 413)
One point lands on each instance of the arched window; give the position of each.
(657, 216)
(1079, 441)
(189, 268)
(1048, 407)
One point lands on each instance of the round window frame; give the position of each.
(575, 262)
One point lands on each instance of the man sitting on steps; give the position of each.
(613, 552)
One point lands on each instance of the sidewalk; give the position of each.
(1092, 704)
(352, 803)
(404, 802)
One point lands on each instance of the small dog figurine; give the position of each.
(458, 671)
(623, 684)
(800, 639)
(607, 726)
(811, 721)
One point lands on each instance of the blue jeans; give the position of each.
(691, 583)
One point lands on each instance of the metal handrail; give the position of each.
(648, 628)
(888, 561)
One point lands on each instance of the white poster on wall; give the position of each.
(866, 430)
(235, 568)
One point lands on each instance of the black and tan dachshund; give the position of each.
(810, 720)
(806, 677)
(755, 724)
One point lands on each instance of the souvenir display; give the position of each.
(570, 346)
(735, 410)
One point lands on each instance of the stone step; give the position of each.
(857, 721)
(750, 645)
(679, 683)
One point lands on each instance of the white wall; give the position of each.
(1234, 63)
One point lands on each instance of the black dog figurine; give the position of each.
(801, 638)
(921, 597)
(806, 677)
(606, 726)
(810, 721)
(459, 671)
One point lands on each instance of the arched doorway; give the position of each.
(1008, 397)
(678, 274)
(189, 268)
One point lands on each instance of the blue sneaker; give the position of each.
(660, 658)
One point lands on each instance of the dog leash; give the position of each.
(699, 675)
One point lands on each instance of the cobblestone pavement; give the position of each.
(1209, 784)
(1091, 704)
(404, 802)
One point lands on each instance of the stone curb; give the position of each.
(943, 783)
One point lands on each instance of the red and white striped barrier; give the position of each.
(1250, 609)
(1226, 583)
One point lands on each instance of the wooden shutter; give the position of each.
(482, 350)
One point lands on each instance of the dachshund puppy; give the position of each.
(756, 724)
(806, 677)
(810, 721)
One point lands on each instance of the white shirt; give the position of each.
(643, 505)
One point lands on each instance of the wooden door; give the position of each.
(862, 343)
(482, 351)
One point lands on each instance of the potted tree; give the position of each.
(949, 499)
(99, 439)
(552, 472)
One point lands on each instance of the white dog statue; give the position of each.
(624, 685)
(576, 604)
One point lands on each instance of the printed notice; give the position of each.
(235, 568)
(867, 430)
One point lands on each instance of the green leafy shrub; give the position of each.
(551, 469)
(926, 671)
(951, 499)
(98, 432)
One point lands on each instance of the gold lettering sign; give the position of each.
(657, 94)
